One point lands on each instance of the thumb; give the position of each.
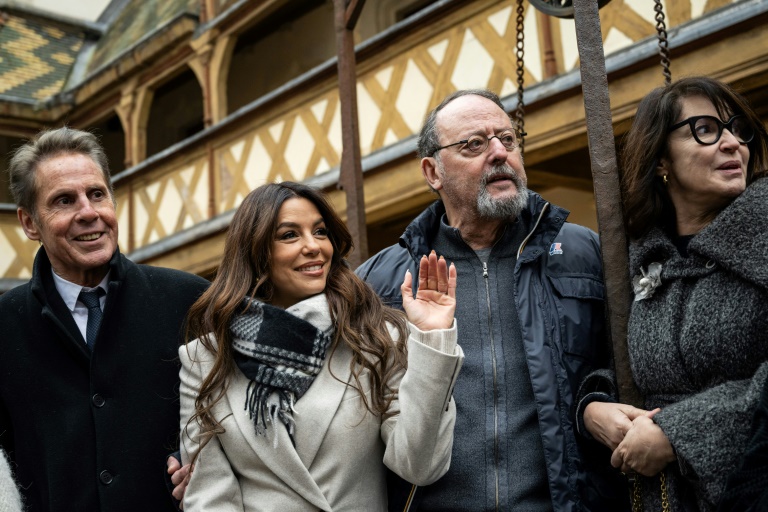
(407, 285)
(173, 464)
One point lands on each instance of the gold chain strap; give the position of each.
(637, 499)
(664, 497)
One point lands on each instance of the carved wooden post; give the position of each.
(605, 174)
(346, 13)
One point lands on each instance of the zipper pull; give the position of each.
(485, 270)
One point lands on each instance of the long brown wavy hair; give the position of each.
(359, 316)
(645, 198)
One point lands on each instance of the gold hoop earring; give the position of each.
(665, 180)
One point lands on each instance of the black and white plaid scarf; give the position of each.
(281, 352)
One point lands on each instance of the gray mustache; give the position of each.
(502, 170)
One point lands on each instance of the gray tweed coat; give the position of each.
(699, 346)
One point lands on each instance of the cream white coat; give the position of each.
(341, 448)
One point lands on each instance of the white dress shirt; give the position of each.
(70, 292)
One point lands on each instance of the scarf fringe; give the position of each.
(280, 353)
(266, 405)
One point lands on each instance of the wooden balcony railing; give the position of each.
(294, 133)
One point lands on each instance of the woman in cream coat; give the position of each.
(307, 398)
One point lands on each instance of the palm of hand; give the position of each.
(431, 310)
(434, 305)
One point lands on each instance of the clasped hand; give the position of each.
(434, 305)
(639, 445)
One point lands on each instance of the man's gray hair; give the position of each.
(429, 138)
(48, 144)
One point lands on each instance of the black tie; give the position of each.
(91, 301)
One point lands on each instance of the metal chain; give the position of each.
(661, 29)
(637, 498)
(520, 113)
(664, 497)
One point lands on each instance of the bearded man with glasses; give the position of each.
(530, 303)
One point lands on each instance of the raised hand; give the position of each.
(435, 301)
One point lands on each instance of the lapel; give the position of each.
(317, 408)
(319, 405)
(283, 461)
(55, 311)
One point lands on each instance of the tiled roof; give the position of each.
(35, 57)
(137, 19)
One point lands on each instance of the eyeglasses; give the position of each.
(708, 129)
(479, 143)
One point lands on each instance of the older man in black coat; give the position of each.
(88, 390)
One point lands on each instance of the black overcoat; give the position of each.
(91, 431)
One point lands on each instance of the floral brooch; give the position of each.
(645, 284)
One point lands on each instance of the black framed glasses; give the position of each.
(479, 143)
(707, 130)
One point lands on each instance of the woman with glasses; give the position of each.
(696, 211)
(301, 387)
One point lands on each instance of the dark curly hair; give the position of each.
(360, 318)
(645, 198)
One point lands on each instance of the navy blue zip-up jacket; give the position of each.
(559, 298)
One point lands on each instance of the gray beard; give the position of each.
(504, 208)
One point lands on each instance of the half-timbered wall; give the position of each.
(296, 134)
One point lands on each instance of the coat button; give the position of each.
(98, 400)
(105, 477)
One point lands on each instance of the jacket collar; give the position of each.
(54, 310)
(42, 284)
(541, 220)
(737, 239)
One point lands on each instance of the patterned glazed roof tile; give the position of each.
(35, 59)
(137, 19)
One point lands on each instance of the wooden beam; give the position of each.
(605, 175)
(540, 180)
(352, 14)
(351, 169)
